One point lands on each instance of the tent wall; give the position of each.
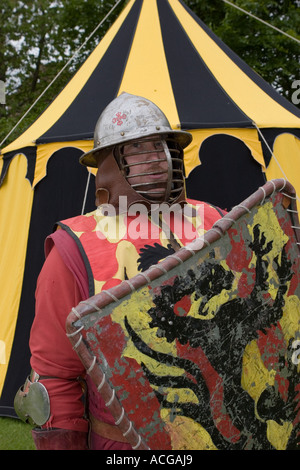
(16, 198)
(31, 216)
(285, 159)
(222, 178)
(223, 166)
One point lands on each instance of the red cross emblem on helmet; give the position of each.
(118, 119)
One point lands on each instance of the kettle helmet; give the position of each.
(129, 117)
(133, 120)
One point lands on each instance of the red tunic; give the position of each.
(59, 288)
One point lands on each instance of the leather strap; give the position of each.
(108, 431)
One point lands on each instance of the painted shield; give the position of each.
(202, 351)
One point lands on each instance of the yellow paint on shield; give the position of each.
(180, 395)
(255, 378)
(278, 434)
(255, 375)
(267, 219)
(183, 429)
(16, 198)
(135, 309)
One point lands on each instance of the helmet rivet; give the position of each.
(122, 133)
(157, 128)
(98, 142)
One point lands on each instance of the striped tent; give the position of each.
(244, 134)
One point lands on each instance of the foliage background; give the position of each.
(38, 37)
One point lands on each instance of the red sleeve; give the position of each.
(52, 355)
(58, 290)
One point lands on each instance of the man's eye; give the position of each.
(129, 148)
(158, 146)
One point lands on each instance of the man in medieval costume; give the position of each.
(140, 167)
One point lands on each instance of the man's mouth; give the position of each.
(158, 174)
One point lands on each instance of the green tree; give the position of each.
(37, 39)
(270, 53)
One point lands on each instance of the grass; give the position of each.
(15, 435)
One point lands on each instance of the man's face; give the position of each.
(146, 166)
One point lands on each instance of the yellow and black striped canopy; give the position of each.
(161, 50)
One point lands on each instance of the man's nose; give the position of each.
(156, 154)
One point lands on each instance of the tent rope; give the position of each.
(262, 21)
(273, 155)
(61, 71)
(85, 193)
